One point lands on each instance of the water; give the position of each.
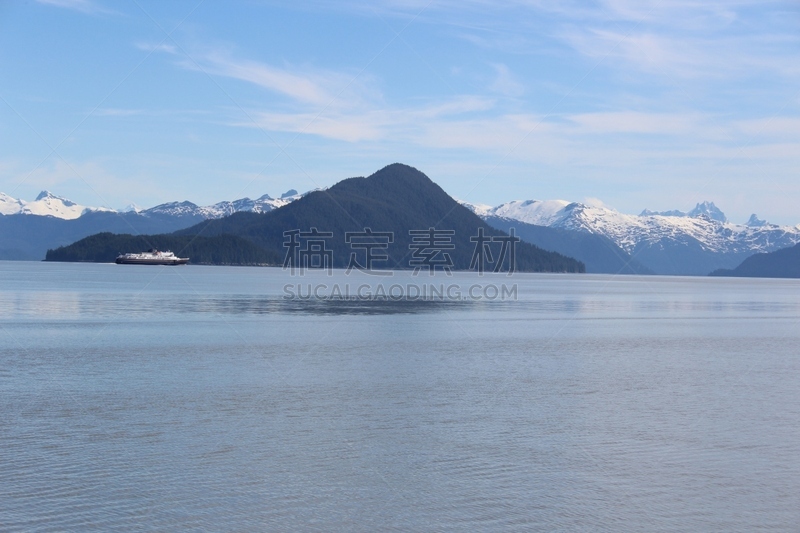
(198, 398)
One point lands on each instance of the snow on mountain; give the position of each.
(482, 210)
(132, 208)
(671, 213)
(541, 213)
(9, 205)
(754, 221)
(708, 209)
(47, 205)
(705, 208)
(706, 224)
(176, 209)
(263, 204)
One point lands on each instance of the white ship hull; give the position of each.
(153, 257)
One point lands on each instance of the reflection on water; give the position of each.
(315, 306)
(50, 304)
(202, 399)
(73, 305)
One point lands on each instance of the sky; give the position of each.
(631, 104)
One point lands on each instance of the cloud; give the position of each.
(677, 38)
(113, 112)
(595, 202)
(348, 128)
(306, 89)
(646, 51)
(319, 88)
(505, 83)
(683, 13)
(636, 122)
(472, 122)
(454, 106)
(327, 104)
(774, 126)
(369, 124)
(84, 6)
(157, 47)
(689, 39)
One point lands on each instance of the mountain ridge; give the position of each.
(783, 263)
(400, 203)
(666, 244)
(695, 242)
(598, 253)
(49, 204)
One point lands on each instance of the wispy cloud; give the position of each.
(505, 82)
(370, 123)
(113, 112)
(645, 51)
(317, 88)
(676, 38)
(157, 47)
(637, 122)
(782, 127)
(84, 6)
(311, 86)
(689, 39)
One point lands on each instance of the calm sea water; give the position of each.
(200, 398)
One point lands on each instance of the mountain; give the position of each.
(670, 213)
(598, 253)
(783, 263)
(25, 237)
(756, 222)
(693, 242)
(707, 209)
(263, 204)
(47, 205)
(397, 200)
(29, 229)
(674, 242)
(9, 205)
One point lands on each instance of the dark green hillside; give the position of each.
(29, 237)
(217, 250)
(396, 199)
(784, 263)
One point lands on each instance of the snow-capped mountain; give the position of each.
(222, 209)
(540, 213)
(705, 208)
(132, 208)
(29, 229)
(705, 223)
(47, 205)
(50, 205)
(9, 205)
(671, 242)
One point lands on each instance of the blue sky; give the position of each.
(633, 103)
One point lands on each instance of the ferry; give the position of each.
(151, 257)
